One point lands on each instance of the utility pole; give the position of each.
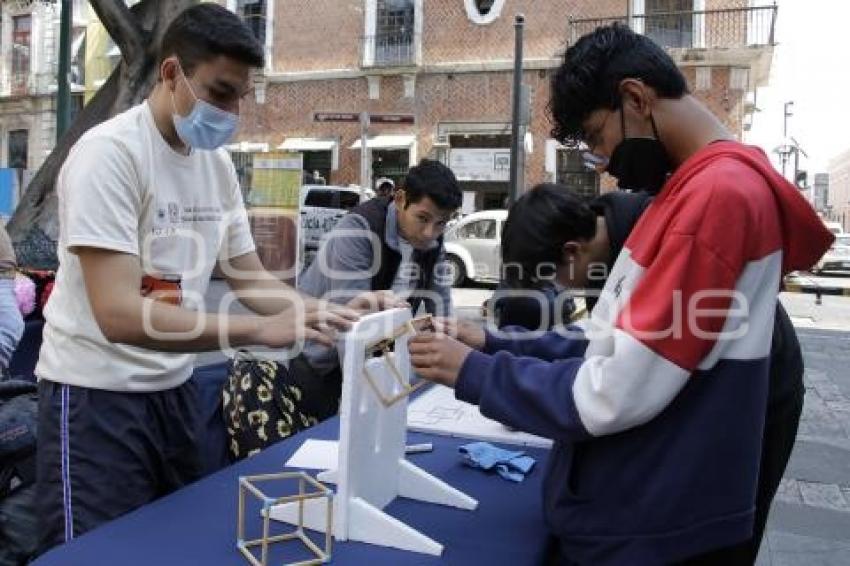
(517, 177)
(787, 152)
(63, 94)
(365, 177)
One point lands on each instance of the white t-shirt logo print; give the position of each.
(173, 212)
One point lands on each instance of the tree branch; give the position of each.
(123, 27)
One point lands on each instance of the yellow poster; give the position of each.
(273, 210)
(276, 179)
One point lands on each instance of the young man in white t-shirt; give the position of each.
(148, 206)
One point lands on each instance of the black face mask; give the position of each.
(640, 164)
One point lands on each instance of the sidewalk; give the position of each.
(810, 519)
(832, 314)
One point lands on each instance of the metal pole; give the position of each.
(516, 142)
(629, 13)
(364, 153)
(797, 167)
(63, 95)
(786, 146)
(785, 123)
(787, 115)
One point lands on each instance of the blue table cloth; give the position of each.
(197, 525)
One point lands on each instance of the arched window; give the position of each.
(483, 12)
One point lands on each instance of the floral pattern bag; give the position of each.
(265, 402)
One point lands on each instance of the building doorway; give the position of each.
(317, 167)
(391, 163)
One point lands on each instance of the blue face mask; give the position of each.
(206, 127)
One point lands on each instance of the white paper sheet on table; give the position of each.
(438, 412)
(316, 455)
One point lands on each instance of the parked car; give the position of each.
(837, 258)
(322, 206)
(473, 247)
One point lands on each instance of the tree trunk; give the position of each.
(34, 228)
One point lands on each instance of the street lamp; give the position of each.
(784, 151)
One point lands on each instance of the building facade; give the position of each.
(838, 198)
(29, 47)
(448, 64)
(820, 190)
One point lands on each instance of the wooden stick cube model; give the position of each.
(247, 484)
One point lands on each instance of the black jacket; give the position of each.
(374, 212)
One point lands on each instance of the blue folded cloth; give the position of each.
(509, 464)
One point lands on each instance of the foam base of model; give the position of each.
(372, 469)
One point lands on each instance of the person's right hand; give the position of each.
(374, 301)
(464, 331)
(310, 320)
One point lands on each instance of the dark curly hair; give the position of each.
(590, 76)
(205, 31)
(538, 225)
(434, 180)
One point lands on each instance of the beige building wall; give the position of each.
(839, 189)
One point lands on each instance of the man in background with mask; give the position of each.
(148, 205)
(657, 407)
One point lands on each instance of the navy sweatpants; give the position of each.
(102, 454)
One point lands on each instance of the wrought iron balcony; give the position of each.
(708, 29)
(389, 50)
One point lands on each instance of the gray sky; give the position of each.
(810, 67)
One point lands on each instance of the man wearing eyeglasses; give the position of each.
(657, 406)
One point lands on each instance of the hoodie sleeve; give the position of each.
(669, 308)
(524, 393)
(549, 346)
(624, 380)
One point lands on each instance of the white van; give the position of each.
(321, 208)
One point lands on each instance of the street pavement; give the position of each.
(810, 519)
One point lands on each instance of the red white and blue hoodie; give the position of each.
(657, 410)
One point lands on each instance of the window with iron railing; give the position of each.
(675, 24)
(21, 46)
(253, 13)
(670, 22)
(394, 32)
